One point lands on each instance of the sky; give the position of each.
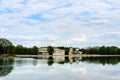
(76, 23)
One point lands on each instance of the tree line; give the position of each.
(102, 60)
(103, 50)
(6, 47)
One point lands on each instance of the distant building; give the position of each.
(58, 51)
(77, 51)
(71, 51)
(43, 51)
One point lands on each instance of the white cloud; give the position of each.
(66, 21)
(107, 33)
(2, 30)
(99, 21)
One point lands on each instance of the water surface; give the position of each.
(60, 68)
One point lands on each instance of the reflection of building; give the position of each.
(57, 51)
(71, 51)
(71, 59)
(59, 58)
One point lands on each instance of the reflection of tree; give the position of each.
(34, 62)
(102, 60)
(25, 61)
(96, 60)
(6, 66)
(19, 62)
(50, 61)
(61, 62)
(66, 59)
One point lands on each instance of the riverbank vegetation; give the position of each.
(6, 47)
(104, 50)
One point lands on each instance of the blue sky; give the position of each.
(78, 23)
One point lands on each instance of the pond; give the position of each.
(60, 68)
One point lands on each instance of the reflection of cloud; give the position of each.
(43, 69)
(113, 73)
(80, 70)
(115, 77)
(25, 71)
(39, 70)
(76, 69)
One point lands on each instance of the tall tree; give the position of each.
(50, 50)
(19, 49)
(34, 50)
(4, 45)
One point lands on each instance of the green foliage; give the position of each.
(4, 46)
(4, 42)
(50, 50)
(19, 49)
(102, 50)
(34, 50)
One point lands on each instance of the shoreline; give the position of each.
(33, 56)
(100, 55)
(67, 56)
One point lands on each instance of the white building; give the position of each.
(77, 51)
(58, 52)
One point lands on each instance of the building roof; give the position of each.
(57, 49)
(42, 49)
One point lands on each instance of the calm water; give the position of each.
(60, 68)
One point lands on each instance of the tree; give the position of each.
(10, 50)
(50, 50)
(50, 61)
(19, 49)
(34, 50)
(102, 50)
(4, 45)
